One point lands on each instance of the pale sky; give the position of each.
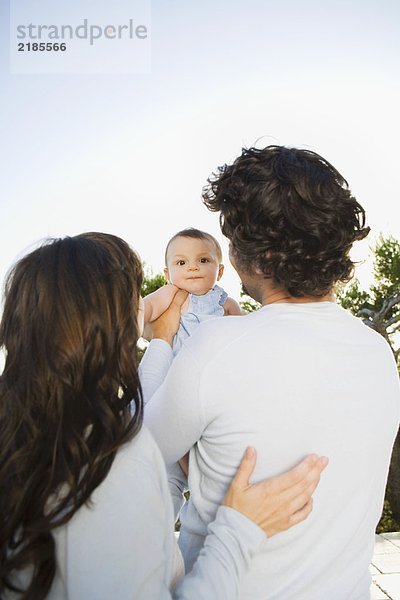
(129, 154)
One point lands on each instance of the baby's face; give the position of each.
(193, 265)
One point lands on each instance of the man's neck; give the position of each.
(273, 295)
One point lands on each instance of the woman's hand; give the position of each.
(167, 324)
(278, 503)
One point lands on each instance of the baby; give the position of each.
(193, 261)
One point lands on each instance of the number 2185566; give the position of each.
(41, 47)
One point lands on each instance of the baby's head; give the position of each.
(193, 261)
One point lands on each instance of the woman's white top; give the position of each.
(122, 546)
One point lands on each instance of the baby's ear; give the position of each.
(166, 274)
(220, 272)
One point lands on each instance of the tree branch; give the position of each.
(387, 305)
(367, 312)
(394, 319)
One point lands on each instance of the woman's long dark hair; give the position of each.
(69, 330)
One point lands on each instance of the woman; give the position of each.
(84, 503)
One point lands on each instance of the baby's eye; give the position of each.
(180, 263)
(204, 260)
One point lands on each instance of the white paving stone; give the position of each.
(377, 594)
(385, 567)
(373, 570)
(390, 584)
(387, 563)
(393, 537)
(384, 545)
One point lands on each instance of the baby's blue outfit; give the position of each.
(201, 308)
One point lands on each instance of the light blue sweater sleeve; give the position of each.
(152, 372)
(223, 560)
(232, 539)
(154, 367)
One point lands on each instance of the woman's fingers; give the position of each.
(298, 495)
(303, 473)
(277, 503)
(179, 299)
(307, 484)
(302, 514)
(246, 468)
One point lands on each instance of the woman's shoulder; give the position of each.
(142, 450)
(138, 471)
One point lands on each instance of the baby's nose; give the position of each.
(193, 266)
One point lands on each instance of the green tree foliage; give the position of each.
(151, 283)
(247, 303)
(380, 309)
(380, 306)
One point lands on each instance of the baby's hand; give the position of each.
(158, 301)
(231, 307)
(167, 324)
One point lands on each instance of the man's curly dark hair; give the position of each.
(290, 214)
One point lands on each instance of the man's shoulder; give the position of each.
(361, 327)
(226, 327)
(212, 336)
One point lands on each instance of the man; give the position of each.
(299, 375)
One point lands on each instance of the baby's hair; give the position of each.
(191, 232)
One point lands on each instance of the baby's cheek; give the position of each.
(176, 279)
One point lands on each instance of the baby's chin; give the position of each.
(196, 290)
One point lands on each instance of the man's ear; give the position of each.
(220, 272)
(166, 274)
